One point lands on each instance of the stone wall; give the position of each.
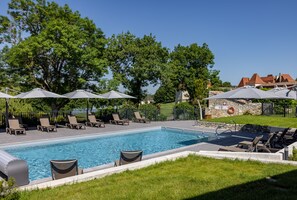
(219, 107)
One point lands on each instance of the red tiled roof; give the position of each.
(268, 79)
(243, 82)
(286, 78)
(255, 80)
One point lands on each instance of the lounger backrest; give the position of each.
(137, 115)
(14, 123)
(116, 117)
(72, 119)
(270, 139)
(44, 121)
(92, 118)
(130, 157)
(63, 168)
(257, 140)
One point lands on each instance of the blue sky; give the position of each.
(246, 36)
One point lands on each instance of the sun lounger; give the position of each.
(94, 122)
(280, 139)
(74, 124)
(45, 125)
(244, 146)
(64, 168)
(14, 127)
(116, 120)
(22, 125)
(128, 157)
(138, 118)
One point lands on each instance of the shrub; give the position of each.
(150, 111)
(184, 111)
(7, 190)
(294, 155)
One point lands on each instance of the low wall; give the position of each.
(219, 107)
(250, 128)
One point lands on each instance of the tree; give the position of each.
(136, 62)
(165, 94)
(63, 51)
(189, 63)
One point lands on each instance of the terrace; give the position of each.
(227, 138)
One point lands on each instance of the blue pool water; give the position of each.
(102, 150)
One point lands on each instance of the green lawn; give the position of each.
(167, 109)
(259, 120)
(188, 178)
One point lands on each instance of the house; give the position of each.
(182, 96)
(269, 81)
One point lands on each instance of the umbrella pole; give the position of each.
(87, 109)
(6, 113)
(6, 109)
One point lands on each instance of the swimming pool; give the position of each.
(101, 150)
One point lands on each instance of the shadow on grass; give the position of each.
(282, 186)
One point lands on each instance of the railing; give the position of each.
(32, 118)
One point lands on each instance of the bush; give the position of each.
(184, 111)
(294, 155)
(7, 190)
(150, 111)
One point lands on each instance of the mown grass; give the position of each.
(259, 120)
(167, 109)
(187, 178)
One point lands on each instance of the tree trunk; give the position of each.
(200, 109)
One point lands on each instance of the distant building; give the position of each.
(269, 81)
(182, 96)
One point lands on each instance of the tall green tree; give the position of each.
(60, 52)
(136, 62)
(189, 63)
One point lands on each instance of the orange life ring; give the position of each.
(230, 110)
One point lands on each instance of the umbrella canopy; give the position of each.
(38, 93)
(284, 92)
(6, 96)
(246, 93)
(82, 94)
(116, 95)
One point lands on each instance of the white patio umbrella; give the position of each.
(82, 94)
(246, 92)
(5, 96)
(116, 95)
(284, 92)
(38, 93)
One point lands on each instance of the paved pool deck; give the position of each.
(34, 135)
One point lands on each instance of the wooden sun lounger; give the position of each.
(14, 127)
(45, 125)
(94, 122)
(116, 120)
(73, 124)
(139, 118)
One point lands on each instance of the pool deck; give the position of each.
(34, 135)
